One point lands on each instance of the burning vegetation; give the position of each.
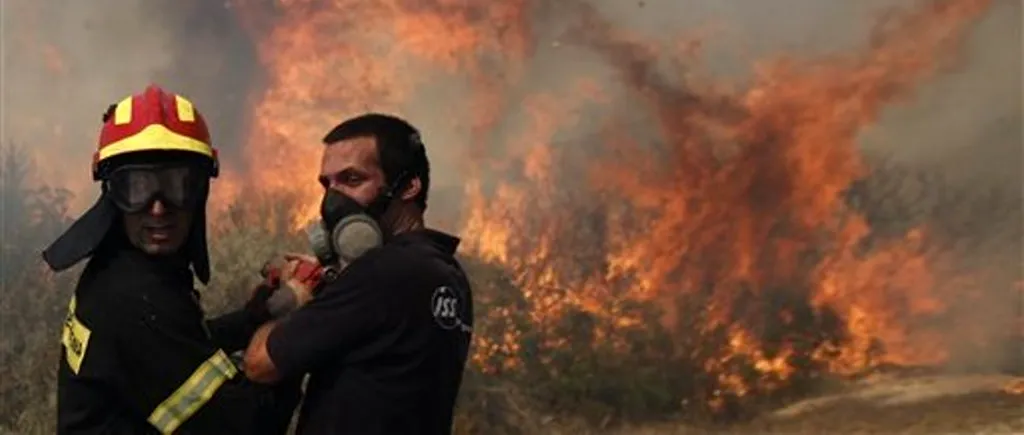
(729, 232)
(706, 248)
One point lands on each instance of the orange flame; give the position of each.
(744, 199)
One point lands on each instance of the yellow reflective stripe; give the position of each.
(193, 394)
(186, 112)
(155, 137)
(75, 338)
(123, 112)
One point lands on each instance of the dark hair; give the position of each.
(399, 148)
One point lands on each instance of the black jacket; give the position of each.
(138, 357)
(385, 345)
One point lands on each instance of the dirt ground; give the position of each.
(975, 404)
(923, 405)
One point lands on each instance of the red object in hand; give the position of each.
(307, 272)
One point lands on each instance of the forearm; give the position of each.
(295, 290)
(258, 366)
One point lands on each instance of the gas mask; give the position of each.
(346, 230)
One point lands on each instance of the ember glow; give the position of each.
(1015, 387)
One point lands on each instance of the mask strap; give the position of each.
(397, 186)
(403, 177)
(380, 205)
(401, 181)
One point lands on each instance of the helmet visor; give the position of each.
(135, 187)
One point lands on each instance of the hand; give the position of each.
(299, 279)
(303, 272)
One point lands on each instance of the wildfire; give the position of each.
(726, 216)
(736, 222)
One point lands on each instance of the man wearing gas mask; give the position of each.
(386, 336)
(138, 356)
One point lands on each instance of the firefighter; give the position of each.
(138, 355)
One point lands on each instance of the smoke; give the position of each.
(65, 62)
(967, 123)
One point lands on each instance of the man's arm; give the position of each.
(233, 331)
(270, 300)
(343, 312)
(179, 380)
(258, 365)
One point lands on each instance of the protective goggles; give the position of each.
(134, 188)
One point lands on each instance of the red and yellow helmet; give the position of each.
(155, 120)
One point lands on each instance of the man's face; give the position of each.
(351, 167)
(158, 229)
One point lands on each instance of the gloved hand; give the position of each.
(298, 279)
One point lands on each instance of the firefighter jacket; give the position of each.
(138, 357)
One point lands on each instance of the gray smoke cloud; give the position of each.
(968, 122)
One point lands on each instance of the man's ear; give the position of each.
(412, 189)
